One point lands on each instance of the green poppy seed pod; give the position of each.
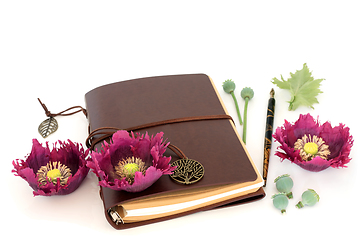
(280, 201)
(229, 86)
(284, 183)
(309, 197)
(247, 93)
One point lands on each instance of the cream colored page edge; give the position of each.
(163, 211)
(171, 199)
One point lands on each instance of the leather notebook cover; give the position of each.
(214, 143)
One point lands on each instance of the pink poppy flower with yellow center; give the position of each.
(131, 163)
(314, 146)
(58, 171)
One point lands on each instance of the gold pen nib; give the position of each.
(272, 93)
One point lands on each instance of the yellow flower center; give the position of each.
(130, 169)
(53, 174)
(311, 148)
(127, 168)
(53, 171)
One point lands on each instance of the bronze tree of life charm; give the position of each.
(188, 171)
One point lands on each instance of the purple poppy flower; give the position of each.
(313, 146)
(131, 163)
(56, 172)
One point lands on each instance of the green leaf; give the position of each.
(302, 86)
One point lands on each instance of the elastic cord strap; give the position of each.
(107, 132)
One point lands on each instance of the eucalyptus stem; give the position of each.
(237, 107)
(245, 119)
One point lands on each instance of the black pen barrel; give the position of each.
(268, 136)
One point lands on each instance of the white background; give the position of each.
(59, 50)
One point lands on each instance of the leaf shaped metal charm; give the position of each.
(48, 127)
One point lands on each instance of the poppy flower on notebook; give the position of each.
(131, 163)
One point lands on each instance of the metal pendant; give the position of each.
(188, 171)
(48, 127)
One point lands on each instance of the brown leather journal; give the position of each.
(230, 176)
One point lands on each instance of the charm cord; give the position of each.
(107, 132)
(62, 113)
(50, 125)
